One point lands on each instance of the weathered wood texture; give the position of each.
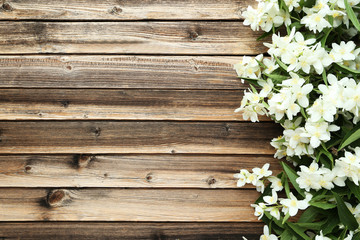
(137, 137)
(99, 204)
(151, 104)
(145, 171)
(124, 10)
(131, 231)
(184, 37)
(179, 72)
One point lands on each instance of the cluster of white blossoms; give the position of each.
(317, 178)
(308, 83)
(324, 14)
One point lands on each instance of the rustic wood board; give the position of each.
(142, 230)
(99, 204)
(94, 71)
(185, 37)
(128, 104)
(124, 10)
(136, 137)
(145, 171)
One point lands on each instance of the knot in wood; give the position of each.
(193, 35)
(7, 7)
(84, 160)
(149, 177)
(57, 198)
(211, 180)
(65, 104)
(27, 168)
(115, 10)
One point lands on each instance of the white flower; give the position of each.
(252, 18)
(274, 211)
(322, 109)
(271, 199)
(308, 181)
(276, 184)
(242, 176)
(344, 51)
(260, 186)
(271, 65)
(321, 237)
(293, 204)
(267, 235)
(291, 4)
(262, 172)
(259, 210)
(318, 131)
(315, 21)
(266, 87)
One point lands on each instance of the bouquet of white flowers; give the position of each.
(308, 83)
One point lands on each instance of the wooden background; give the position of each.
(116, 120)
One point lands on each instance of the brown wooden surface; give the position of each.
(145, 171)
(98, 204)
(96, 71)
(123, 10)
(139, 104)
(123, 111)
(123, 230)
(136, 137)
(185, 37)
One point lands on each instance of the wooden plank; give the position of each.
(142, 230)
(71, 71)
(129, 38)
(137, 137)
(99, 204)
(145, 171)
(65, 104)
(123, 10)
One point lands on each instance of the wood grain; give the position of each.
(136, 137)
(124, 10)
(145, 171)
(151, 104)
(71, 71)
(131, 231)
(185, 37)
(98, 204)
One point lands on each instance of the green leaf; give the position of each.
(351, 15)
(286, 235)
(251, 80)
(323, 205)
(324, 77)
(345, 215)
(331, 222)
(264, 35)
(253, 89)
(299, 230)
(286, 218)
(356, 236)
(310, 225)
(354, 189)
(351, 137)
(292, 175)
(281, 64)
(346, 69)
(309, 215)
(276, 77)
